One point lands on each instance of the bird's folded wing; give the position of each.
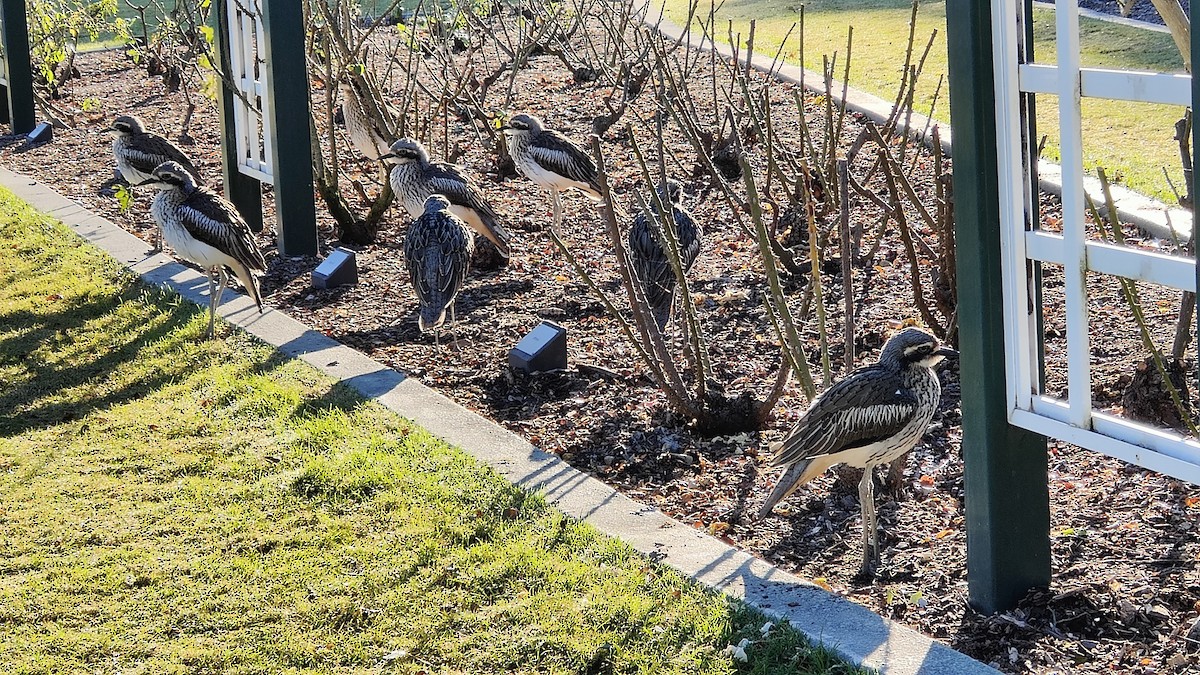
(212, 220)
(868, 406)
(555, 153)
(689, 238)
(451, 181)
(650, 263)
(148, 150)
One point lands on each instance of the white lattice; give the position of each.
(1072, 419)
(248, 71)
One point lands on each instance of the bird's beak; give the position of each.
(148, 181)
(947, 353)
(390, 155)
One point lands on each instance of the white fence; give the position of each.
(1073, 419)
(248, 72)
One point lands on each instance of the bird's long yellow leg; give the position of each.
(866, 498)
(212, 301)
(557, 209)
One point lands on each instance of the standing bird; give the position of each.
(872, 416)
(368, 132)
(138, 152)
(414, 178)
(550, 160)
(650, 260)
(207, 230)
(437, 251)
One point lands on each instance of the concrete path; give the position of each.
(854, 632)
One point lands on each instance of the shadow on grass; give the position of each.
(62, 329)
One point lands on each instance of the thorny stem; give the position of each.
(788, 337)
(814, 257)
(843, 171)
(1129, 289)
(914, 265)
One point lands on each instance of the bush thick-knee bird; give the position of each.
(139, 152)
(203, 228)
(550, 159)
(437, 251)
(650, 260)
(870, 417)
(414, 178)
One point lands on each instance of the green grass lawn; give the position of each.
(174, 505)
(1132, 140)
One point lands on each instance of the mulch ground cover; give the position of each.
(1126, 592)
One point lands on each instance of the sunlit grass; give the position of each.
(175, 505)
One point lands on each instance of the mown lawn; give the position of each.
(173, 505)
(1132, 140)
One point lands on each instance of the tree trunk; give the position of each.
(1181, 29)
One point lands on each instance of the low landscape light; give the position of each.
(42, 133)
(543, 348)
(338, 269)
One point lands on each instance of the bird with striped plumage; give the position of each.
(870, 417)
(139, 152)
(414, 178)
(437, 252)
(550, 160)
(369, 133)
(205, 229)
(648, 256)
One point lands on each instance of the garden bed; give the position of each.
(1125, 590)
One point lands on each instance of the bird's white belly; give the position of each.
(546, 179)
(886, 450)
(194, 250)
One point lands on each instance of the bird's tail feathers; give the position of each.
(501, 237)
(430, 317)
(487, 225)
(788, 481)
(662, 315)
(593, 190)
(249, 282)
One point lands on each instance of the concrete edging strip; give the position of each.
(856, 633)
(1151, 215)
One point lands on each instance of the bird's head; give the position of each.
(405, 151)
(915, 346)
(435, 203)
(126, 124)
(671, 191)
(523, 123)
(171, 176)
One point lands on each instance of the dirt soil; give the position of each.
(1125, 594)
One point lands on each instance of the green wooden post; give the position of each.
(1195, 15)
(244, 191)
(291, 141)
(1007, 496)
(17, 69)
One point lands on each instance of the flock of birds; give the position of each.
(872, 416)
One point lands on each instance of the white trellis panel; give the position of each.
(248, 72)
(1072, 419)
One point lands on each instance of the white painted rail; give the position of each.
(1073, 418)
(247, 70)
